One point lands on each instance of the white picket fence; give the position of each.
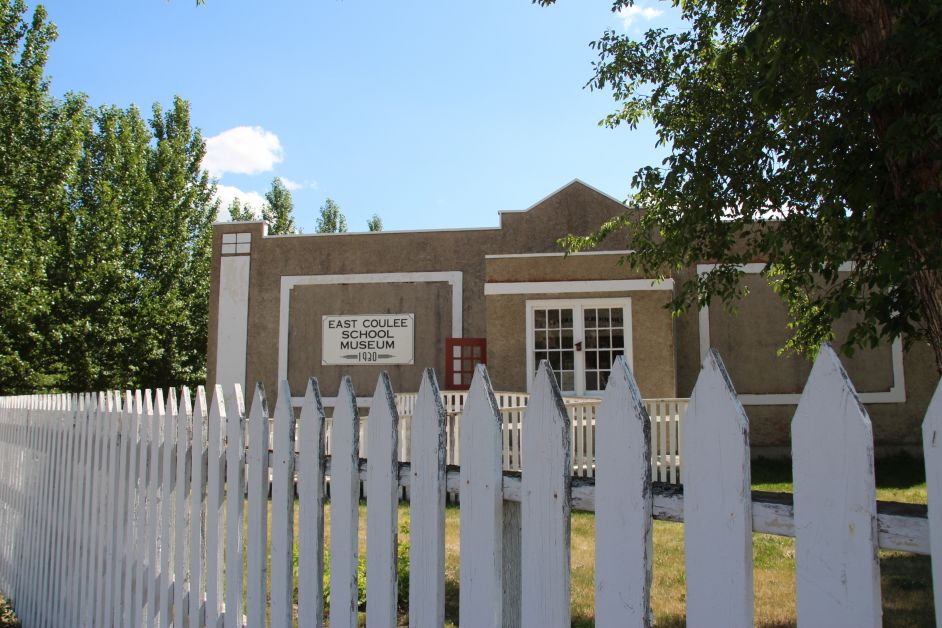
(113, 508)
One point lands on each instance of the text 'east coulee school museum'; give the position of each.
(327, 305)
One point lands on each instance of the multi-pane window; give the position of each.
(553, 341)
(604, 341)
(461, 356)
(579, 339)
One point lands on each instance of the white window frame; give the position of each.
(578, 334)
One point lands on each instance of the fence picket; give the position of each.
(215, 505)
(311, 497)
(235, 505)
(50, 546)
(545, 505)
(482, 513)
(197, 512)
(624, 504)
(382, 512)
(282, 509)
(42, 511)
(257, 541)
(132, 542)
(837, 571)
(168, 456)
(71, 514)
(103, 438)
(717, 503)
(142, 544)
(932, 447)
(152, 573)
(344, 508)
(114, 485)
(181, 568)
(427, 493)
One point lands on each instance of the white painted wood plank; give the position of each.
(427, 507)
(382, 512)
(623, 517)
(61, 549)
(113, 544)
(181, 511)
(28, 560)
(215, 508)
(344, 509)
(152, 576)
(480, 598)
(837, 571)
(38, 606)
(46, 509)
(257, 540)
(132, 540)
(25, 558)
(73, 517)
(547, 474)
(311, 497)
(100, 508)
(54, 532)
(124, 514)
(84, 481)
(282, 510)
(717, 503)
(168, 474)
(932, 449)
(142, 544)
(235, 505)
(197, 507)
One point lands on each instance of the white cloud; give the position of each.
(225, 193)
(242, 150)
(291, 185)
(298, 185)
(630, 14)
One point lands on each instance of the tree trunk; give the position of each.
(917, 174)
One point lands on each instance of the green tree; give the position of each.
(239, 212)
(278, 209)
(331, 219)
(105, 233)
(40, 140)
(805, 134)
(375, 223)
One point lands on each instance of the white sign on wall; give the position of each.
(368, 339)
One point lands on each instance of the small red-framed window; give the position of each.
(461, 356)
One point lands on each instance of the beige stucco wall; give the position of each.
(430, 302)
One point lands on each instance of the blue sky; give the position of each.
(431, 114)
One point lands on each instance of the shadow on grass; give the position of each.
(899, 471)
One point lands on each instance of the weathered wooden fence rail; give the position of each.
(113, 508)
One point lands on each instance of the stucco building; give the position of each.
(293, 306)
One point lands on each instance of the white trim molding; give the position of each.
(560, 254)
(232, 317)
(570, 287)
(896, 393)
(288, 282)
